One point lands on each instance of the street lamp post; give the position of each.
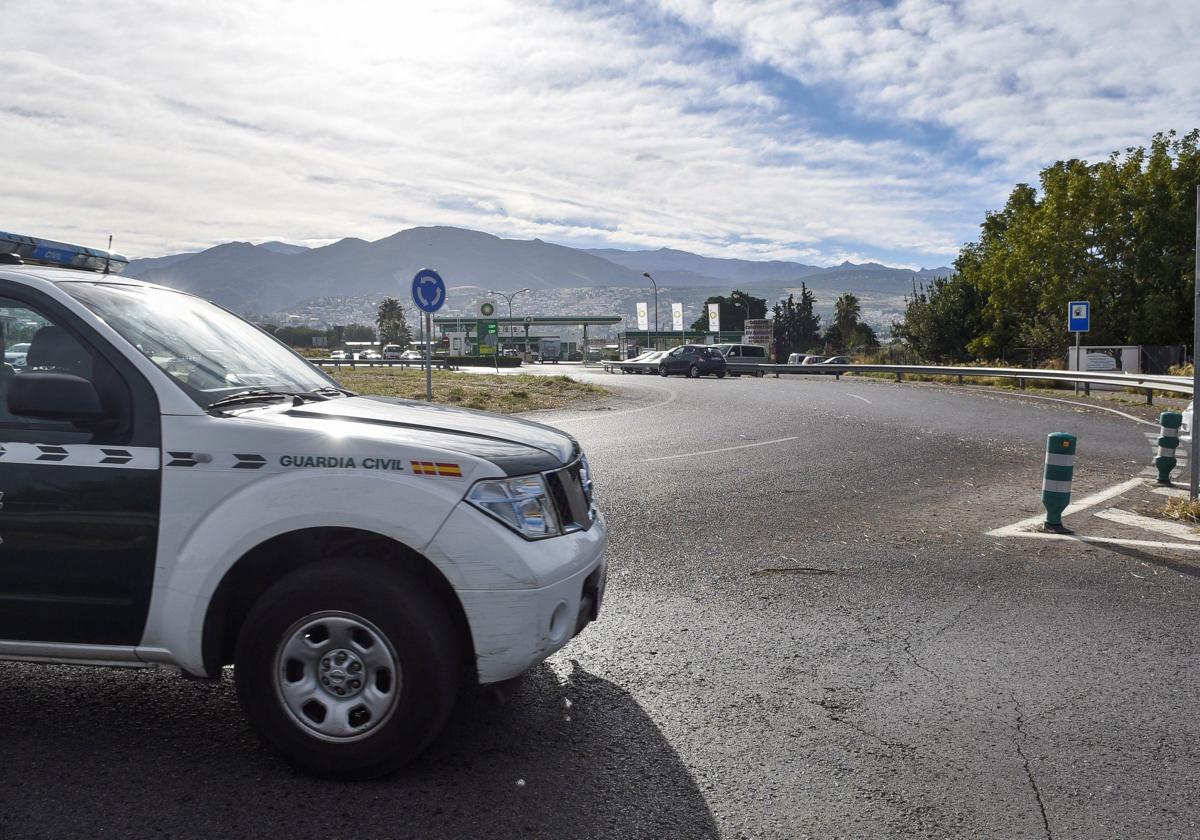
(509, 298)
(646, 274)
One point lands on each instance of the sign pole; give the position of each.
(1192, 462)
(1079, 320)
(1077, 362)
(428, 357)
(428, 293)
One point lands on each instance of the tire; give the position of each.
(721, 374)
(662, 370)
(693, 372)
(376, 621)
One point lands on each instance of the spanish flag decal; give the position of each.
(436, 468)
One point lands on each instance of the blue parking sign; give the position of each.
(1079, 316)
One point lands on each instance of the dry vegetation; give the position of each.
(1185, 510)
(506, 394)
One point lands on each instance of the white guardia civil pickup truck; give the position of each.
(180, 489)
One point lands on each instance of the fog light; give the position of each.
(560, 622)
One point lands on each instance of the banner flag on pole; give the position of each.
(714, 317)
(677, 317)
(643, 316)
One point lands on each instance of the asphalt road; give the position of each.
(807, 633)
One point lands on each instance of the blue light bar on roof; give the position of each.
(48, 252)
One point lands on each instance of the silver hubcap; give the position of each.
(337, 675)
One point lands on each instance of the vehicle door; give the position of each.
(676, 361)
(79, 513)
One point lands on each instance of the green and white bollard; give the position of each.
(1168, 440)
(1056, 484)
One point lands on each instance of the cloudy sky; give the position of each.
(800, 129)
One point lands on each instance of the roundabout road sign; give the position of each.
(428, 290)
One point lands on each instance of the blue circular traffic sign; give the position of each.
(428, 290)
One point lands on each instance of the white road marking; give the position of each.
(857, 397)
(604, 415)
(1020, 529)
(722, 449)
(1041, 535)
(1073, 402)
(1173, 492)
(1149, 523)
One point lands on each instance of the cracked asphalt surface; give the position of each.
(807, 638)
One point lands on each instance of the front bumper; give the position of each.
(523, 600)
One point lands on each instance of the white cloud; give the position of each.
(177, 127)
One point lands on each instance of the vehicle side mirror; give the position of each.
(54, 396)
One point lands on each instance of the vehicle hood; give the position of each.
(518, 447)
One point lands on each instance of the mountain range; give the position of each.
(274, 276)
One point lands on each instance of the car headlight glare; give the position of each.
(522, 503)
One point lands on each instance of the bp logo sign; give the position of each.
(486, 310)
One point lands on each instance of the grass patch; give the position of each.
(1185, 510)
(483, 391)
(990, 381)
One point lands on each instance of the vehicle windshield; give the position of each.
(210, 352)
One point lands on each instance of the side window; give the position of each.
(735, 351)
(34, 343)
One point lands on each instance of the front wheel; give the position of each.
(721, 374)
(348, 668)
(694, 372)
(662, 370)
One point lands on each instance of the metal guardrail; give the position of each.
(338, 363)
(1148, 383)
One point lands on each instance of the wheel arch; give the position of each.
(273, 559)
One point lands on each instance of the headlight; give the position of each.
(521, 503)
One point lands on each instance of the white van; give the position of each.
(749, 353)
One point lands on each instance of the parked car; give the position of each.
(752, 353)
(812, 360)
(338, 355)
(645, 362)
(368, 354)
(838, 360)
(15, 355)
(693, 360)
(412, 355)
(393, 351)
(627, 366)
(1185, 431)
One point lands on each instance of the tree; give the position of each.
(862, 338)
(735, 309)
(846, 312)
(1119, 233)
(797, 327)
(391, 324)
(941, 319)
(299, 336)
